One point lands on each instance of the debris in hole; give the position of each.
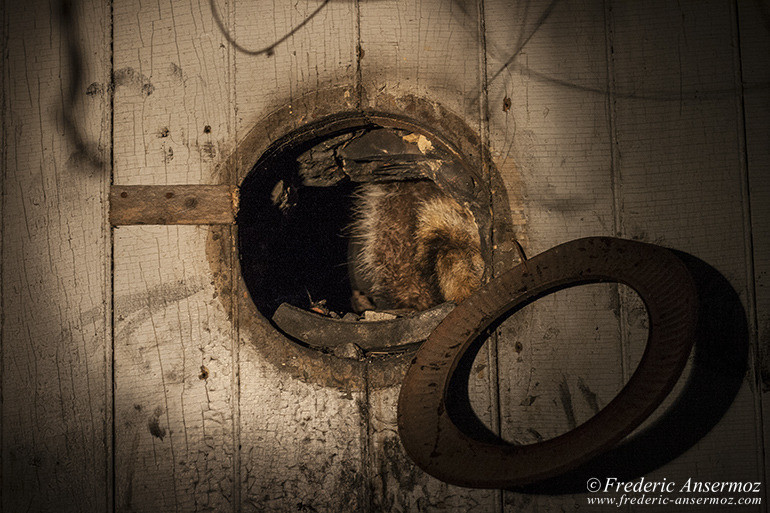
(320, 308)
(280, 196)
(422, 142)
(385, 155)
(327, 333)
(319, 166)
(371, 315)
(378, 155)
(299, 229)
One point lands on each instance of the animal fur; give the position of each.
(413, 247)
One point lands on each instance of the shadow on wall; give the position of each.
(718, 370)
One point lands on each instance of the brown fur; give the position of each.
(413, 246)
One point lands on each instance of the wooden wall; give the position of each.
(128, 384)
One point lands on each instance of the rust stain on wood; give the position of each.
(173, 204)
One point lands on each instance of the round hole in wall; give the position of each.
(299, 228)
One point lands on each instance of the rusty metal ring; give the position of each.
(439, 447)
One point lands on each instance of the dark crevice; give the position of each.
(112, 485)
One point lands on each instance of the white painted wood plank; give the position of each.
(679, 131)
(175, 355)
(560, 358)
(302, 441)
(431, 50)
(425, 48)
(552, 145)
(56, 397)
(172, 78)
(317, 57)
(174, 368)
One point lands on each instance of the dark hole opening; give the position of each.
(292, 241)
(297, 204)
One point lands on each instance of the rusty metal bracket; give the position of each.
(442, 449)
(173, 204)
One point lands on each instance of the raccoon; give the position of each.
(412, 247)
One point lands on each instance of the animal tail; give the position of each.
(447, 234)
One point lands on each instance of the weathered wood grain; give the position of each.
(56, 394)
(318, 57)
(560, 358)
(302, 443)
(678, 130)
(423, 48)
(176, 204)
(431, 50)
(397, 484)
(174, 366)
(548, 116)
(172, 84)
(175, 377)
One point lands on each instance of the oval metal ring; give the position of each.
(439, 447)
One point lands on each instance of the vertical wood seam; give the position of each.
(493, 356)
(235, 337)
(610, 98)
(235, 377)
(110, 289)
(748, 238)
(366, 430)
(3, 160)
(357, 51)
(492, 351)
(616, 183)
(366, 449)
